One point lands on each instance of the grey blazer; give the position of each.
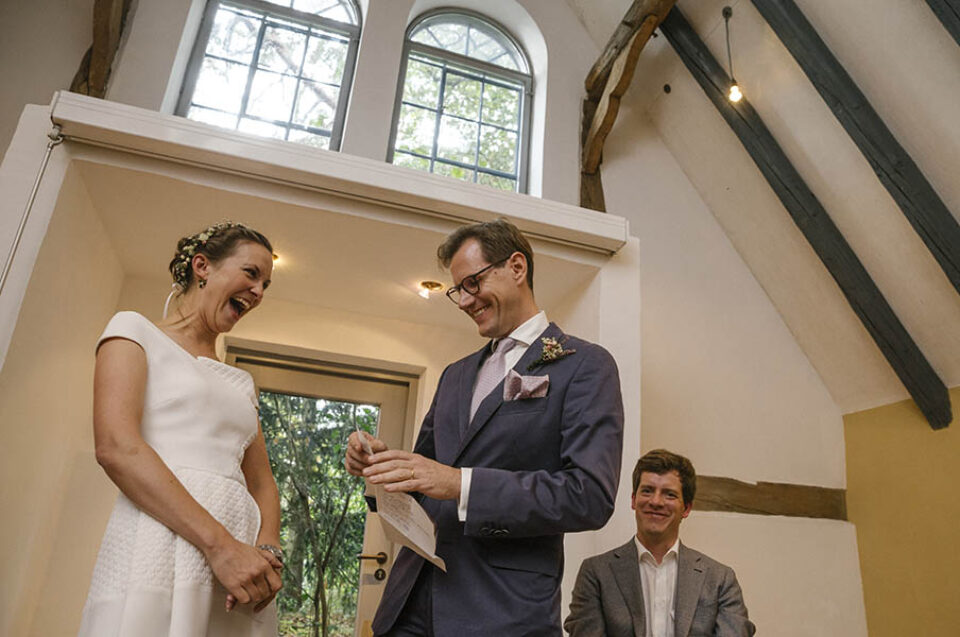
(608, 598)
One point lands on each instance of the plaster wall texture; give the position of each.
(901, 494)
(724, 381)
(41, 45)
(46, 407)
(799, 576)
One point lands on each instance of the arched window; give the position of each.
(279, 68)
(463, 108)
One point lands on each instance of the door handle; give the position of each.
(381, 557)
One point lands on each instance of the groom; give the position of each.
(521, 444)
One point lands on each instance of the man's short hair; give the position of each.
(661, 461)
(498, 240)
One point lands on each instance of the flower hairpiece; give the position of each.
(189, 248)
(552, 352)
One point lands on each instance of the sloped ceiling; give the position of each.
(908, 66)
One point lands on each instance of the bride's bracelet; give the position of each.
(276, 551)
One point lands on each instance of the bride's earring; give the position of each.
(201, 283)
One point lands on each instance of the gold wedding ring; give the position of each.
(411, 474)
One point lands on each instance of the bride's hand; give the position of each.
(246, 573)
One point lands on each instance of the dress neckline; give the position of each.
(178, 345)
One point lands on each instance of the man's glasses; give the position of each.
(471, 284)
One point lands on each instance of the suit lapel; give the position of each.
(626, 571)
(689, 581)
(489, 406)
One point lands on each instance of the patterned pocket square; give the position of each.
(517, 387)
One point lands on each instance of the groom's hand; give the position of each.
(405, 471)
(356, 459)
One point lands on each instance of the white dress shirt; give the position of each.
(528, 332)
(659, 583)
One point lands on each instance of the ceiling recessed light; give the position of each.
(426, 287)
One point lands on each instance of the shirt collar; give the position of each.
(529, 330)
(642, 550)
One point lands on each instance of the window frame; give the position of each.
(350, 31)
(479, 66)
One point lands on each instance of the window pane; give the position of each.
(220, 85)
(483, 47)
(234, 35)
(411, 161)
(332, 9)
(457, 140)
(415, 129)
(309, 139)
(325, 60)
(271, 96)
(447, 36)
(422, 83)
(216, 118)
(263, 129)
(449, 170)
(462, 96)
(316, 105)
(501, 106)
(282, 50)
(472, 37)
(498, 149)
(500, 183)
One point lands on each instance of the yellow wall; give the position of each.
(902, 494)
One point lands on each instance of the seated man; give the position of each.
(654, 586)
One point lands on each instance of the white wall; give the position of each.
(46, 406)
(42, 43)
(725, 383)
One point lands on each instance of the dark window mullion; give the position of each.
(436, 126)
(476, 156)
(254, 64)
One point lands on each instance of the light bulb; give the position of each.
(734, 95)
(424, 292)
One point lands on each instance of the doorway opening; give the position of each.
(308, 408)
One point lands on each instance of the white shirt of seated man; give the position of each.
(659, 507)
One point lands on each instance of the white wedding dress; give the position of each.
(199, 415)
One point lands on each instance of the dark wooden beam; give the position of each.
(632, 20)
(920, 204)
(906, 359)
(949, 13)
(769, 498)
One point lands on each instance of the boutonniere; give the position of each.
(552, 352)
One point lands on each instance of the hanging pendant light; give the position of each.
(734, 94)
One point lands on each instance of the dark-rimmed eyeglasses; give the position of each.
(471, 283)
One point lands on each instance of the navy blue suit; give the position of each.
(541, 467)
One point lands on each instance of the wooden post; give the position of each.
(906, 359)
(605, 84)
(94, 73)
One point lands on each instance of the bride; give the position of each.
(192, 545)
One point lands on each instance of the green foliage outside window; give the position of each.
(323, 510)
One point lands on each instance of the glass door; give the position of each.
(307, 412)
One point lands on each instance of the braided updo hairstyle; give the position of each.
(216, 243)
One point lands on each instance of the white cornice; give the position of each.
(103, 123)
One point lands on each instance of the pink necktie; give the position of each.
(491, 373)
